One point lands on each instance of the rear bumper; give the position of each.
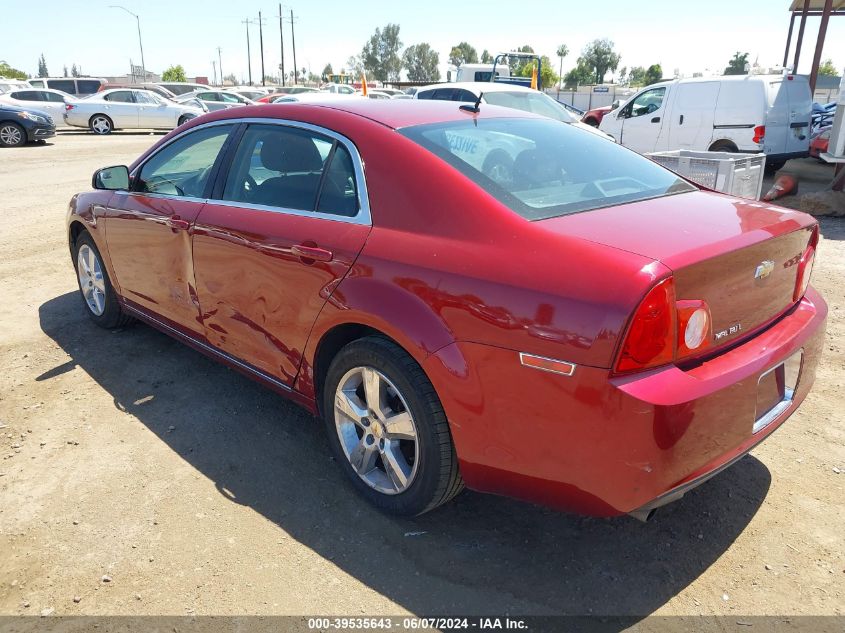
(605, 445)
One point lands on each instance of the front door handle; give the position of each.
(312, 253)
(682, 120)
(656, 119)
(175, 222)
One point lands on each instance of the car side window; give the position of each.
(444, 94)
(182, 168)
(339, 193)
(278, 166)
(27, 95)
(52, 96)
(647, 102)
(223, 96)
(464, 95)
(143, 97)
(121, 96)
(426, 94)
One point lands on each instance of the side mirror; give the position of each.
(111, 178)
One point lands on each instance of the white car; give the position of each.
(53, 102)
(7, 85)
(125, 109)
(340, 89)
(217, 99)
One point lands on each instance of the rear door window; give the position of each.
(87, 86)
(121, 96)
(65, 85)
(27, 95)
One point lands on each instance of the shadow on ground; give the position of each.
(479, 554)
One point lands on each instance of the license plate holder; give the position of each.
(776, 390)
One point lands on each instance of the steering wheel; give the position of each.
(651, 108)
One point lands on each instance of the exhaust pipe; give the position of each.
(643, 515)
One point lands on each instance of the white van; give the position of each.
(476, 72)
(744, 113)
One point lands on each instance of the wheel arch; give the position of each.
(723, 142)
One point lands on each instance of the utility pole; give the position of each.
(220, 65)
(248, 54)
(293, 43)
(282, 43)
(214, 66)
(261, 40)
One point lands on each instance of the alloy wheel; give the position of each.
(101, 125)
(91, 280)
(376, 430)
(10, 135)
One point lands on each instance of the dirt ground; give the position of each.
(139, 477)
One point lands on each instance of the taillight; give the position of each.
(650, 340)
(69, 107)
(693, 327)
(805, 266)
(663, 330)
(759, 134)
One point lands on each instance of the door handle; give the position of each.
(682, 120)
(312, 253)
(656, 119)
(175, 222)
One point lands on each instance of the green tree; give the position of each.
(422, 63)
(174, 73)
(42, 67)
(653, 74)
(562, 51)
(578, 76)
(231, 78)
(600, 57)
(11, 73)
(486, 57)
(547, 73)
(74, 71)
(65, 71)
(380, 54)
(463, 53)
(737, 65)
(354, 67)
(327, 72)
(827, 68)
(636, 76)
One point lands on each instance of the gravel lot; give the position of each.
(126, 456)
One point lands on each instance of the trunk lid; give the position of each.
(740, 256)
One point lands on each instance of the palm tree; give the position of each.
(562, 51)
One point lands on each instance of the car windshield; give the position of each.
(543, 169)
(533, 101)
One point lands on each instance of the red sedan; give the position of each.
(577, 326)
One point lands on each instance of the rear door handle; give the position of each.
(682, 119)
(312, 253)
(656, 119)
(175, 222)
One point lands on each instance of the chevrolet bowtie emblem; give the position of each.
(764, 269)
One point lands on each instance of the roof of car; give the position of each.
(477, 87)
(393, 113)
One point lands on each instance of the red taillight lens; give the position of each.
(69, 107)
(759, 134)
(805, 266)
(650, 340)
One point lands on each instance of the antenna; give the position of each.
(473, 108)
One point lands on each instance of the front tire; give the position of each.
(388, 430)
(101, 124)
(98, 294)
(12, 135)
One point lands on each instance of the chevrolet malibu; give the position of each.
(587, 330)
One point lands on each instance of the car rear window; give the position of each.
(531, 101)
(542, 168)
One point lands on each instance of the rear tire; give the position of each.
(724, 146)
(382, 415)
(12, 135)
(101, 124)
(95, 287)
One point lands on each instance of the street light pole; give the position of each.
(220, 65)
(282, 44)
(248, 54)
(140, 42)
(261, 41)
(293, 43)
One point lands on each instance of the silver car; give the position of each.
(217, 99)
(127, 109)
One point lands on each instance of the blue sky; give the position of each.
(680, 34)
